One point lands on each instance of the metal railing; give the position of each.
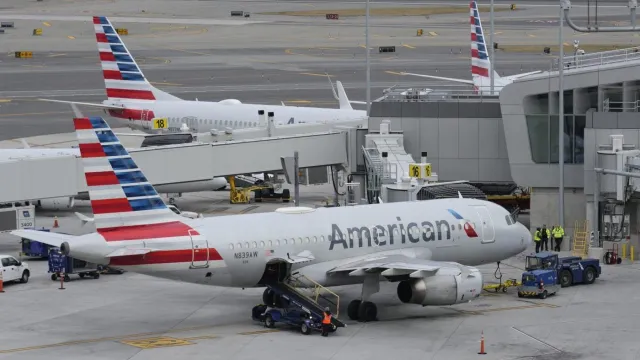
(316, 292)
(599, 58)
(434, 95)
(620, 106)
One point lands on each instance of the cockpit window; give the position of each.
(510, 219)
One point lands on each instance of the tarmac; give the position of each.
(194, 49)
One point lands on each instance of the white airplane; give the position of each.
(131, 97)
(428, 247)
(480, 62)
(68, 202)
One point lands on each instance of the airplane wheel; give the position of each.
(367, 311)
(352, 310)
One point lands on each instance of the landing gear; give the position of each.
(364, 310)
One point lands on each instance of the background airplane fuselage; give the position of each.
(241, 245)
(204, 116)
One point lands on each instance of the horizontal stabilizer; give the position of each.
(85, 219)
(518, 76)
(102, 106)
(129, 252)
(49, 238)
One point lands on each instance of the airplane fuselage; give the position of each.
(202, 116)
(234, 250)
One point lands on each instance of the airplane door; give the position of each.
(486, 224)
(144, 116)
(200, 254)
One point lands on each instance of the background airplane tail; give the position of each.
(480, 61)
(123, 79)
(120, 194)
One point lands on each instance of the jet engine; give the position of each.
(442, 289)
(230, 102)
(59, 203)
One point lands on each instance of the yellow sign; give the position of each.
(427, 170)
(150, 343)
(160, 123)
(37, 31)
(415, 170)
(23, 54)
(122, 31)
(419, 32)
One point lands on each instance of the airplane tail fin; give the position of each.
(480, 61)
(121, 196)
(123, 79)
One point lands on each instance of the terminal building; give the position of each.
(471, 141)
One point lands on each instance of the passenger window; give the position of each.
(261, 244)
(277, 242)
(284, 241)
(239, 245)
(231, 246)
(306, 240)
(322, 238)
(293, 241)
(255, 244)
(459, 227)
(315, 239)
(453, 227)
(246, 245)
(270, 243)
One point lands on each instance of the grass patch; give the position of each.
(568, 49)
(392, 11)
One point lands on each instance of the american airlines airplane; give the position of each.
(428, 247)
(131, 97)
(480, 62)
(68, 202)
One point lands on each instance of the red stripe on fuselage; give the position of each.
(82, 124)
(167, 257)
(130, 94)
(132, 114)
(476, 70)
(92, 150)
(107, 56)
(147, 231)
(110, 206)
(112, 74)
(101, 178)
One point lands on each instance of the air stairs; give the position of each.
(580, 245)
(307, 294)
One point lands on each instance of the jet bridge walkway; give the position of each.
(294, 295)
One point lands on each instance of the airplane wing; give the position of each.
(102, 106)
(49, 238)
(470, 82)
(518, 76)
(304, 256)
(395, 265)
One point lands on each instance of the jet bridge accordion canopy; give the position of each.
(450, 191)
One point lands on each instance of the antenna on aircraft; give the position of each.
(380, 200)
(459, 195)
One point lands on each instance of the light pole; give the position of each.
(368, 69)
(561, 122)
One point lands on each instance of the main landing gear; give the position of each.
(362, 309)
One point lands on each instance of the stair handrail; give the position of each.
(316, 290)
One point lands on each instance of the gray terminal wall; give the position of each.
(464, 140)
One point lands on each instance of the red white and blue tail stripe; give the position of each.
(123, 78)
(120, 193)
(480, 62)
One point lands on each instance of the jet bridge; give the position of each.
(32, 178)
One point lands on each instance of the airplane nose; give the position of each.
(526, 236)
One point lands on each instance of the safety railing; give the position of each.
(580, 246)
(599, 58)
(620, 106)
(436, 94)
(316, 291)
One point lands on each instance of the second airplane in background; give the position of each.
(131, 97)
(480, 62)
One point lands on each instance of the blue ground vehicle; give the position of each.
(540, 283)
(293, 315)
(567, 271)
(61, 264)
(34, 248)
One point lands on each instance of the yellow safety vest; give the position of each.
(548, 233)
(536, 236)
(558, 232)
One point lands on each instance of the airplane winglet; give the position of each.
(25, 144)
(459, 195)
(85, 219)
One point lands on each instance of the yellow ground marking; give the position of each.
(298, 101)
(258, 332)
(46, 24)
(391, 11)
(433, 33)
(507, 308)
(5, 100)
(498, 32)
(151, 343)
(189, 51)
(393, 73)
(408, 46)
(71, 37)
(313, 74)
(531, 35)
(36, 66)
(56, 55)
(36, 113)
(164, 83)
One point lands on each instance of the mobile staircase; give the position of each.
(300, 291)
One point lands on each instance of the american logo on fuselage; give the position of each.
(466, 224)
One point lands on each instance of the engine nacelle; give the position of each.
(60, 203)
(442, 289)
(230, 102)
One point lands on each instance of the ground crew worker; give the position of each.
(558, 234)
(537, 240)
(326, 322)
(545, 234)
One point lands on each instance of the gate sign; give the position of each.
(415, 171)
(333, 16)
(160, 123)
(427, 170)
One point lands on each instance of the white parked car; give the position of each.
(14, 269)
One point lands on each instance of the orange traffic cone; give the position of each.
(1, 283)
(482, 345)
(55, 221)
